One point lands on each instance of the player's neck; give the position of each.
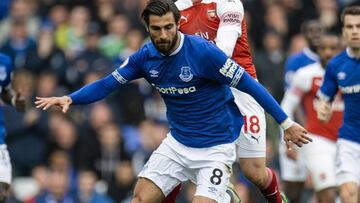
(177, 44)
(354, 52)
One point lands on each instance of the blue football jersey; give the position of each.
(5, 79)
(297, 61)
(200, 107)
(343, 73)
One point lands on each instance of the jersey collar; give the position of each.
(155, 52)
(312, 55)
(349, 54)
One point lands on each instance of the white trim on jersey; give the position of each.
(180, 45)
(312, 55)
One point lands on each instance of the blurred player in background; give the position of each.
(311, 29)
(343, 73)
(319, 156)
(15, 99)
(193, 77)
(222, 22)
(293, 171)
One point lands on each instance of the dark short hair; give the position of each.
(350, 10)
(160, 8)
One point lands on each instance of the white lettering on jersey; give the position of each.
(350, 89)
(119, 78)
(231, 18)
(232, 70)
(175, 90)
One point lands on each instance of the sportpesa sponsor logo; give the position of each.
(350, 89)
(175, 90)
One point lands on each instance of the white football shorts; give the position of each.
(319, 156)
(5, 165)
(252, 140)
(347, 162)
(209, 168)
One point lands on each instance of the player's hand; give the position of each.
(63, 102)
(324, 111)
(296, 134)
(19, 101)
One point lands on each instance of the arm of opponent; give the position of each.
(231, 14)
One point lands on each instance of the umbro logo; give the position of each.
(341, 76)
(154, 73)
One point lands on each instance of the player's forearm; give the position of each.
(261, 95)
(290, 102)
(95, 91)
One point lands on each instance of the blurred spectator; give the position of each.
(76, 32)
(20, 47)
(105, 12)
(328, 14)
(275, 18)
(51, 58)
(113, 43)
(4, 7)
(58, 190)
(21, 10)
(86, 189)
(121, 187)
(111, 151)
(270, 62)
(90, 59)
(133, 40)
(26, 130)
(59, 20)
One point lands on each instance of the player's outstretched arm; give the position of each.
(88, 94)
(293, 132)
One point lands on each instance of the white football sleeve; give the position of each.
(231, 14)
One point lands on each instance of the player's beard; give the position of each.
(166, 46)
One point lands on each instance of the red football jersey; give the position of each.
(205, 18)
(307, 82)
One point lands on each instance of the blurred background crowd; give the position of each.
(94, 152)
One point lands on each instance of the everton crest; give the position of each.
(186, 74)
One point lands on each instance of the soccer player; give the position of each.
(311, 30)
(319, 157)
(223, 22)
(343, 73)
(293, 170)
(16, 100)
(193, 77)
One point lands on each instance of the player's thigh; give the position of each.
(347, 162)
(147, 191)
(5, 165)
(291, 170)
(211, 181)
(349, 192)
(201, 199)
(319, 157)
(163, 172)
(252, 140)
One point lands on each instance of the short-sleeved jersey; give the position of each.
(5, 79)
(296, 61)
(343, 73)
(195, 87)
(307, 82)
(204, 19)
